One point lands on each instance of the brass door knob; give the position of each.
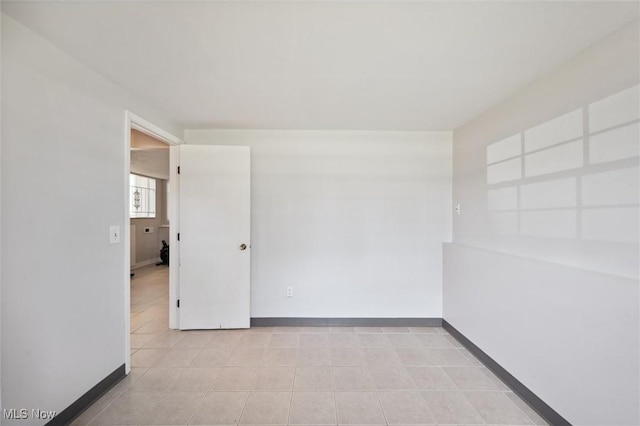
(243, 246)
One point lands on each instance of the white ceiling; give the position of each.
(359, 65)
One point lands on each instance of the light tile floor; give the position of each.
(297, 375)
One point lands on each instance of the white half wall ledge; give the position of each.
(570, 335)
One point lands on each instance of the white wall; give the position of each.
(570, 335)
(551, 174)
(1, 238)
(63, 185)
(353, 221)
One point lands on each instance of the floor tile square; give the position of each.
(177, 357)
(236, 378)
(220, 408)
(175, 408)
(434, 341)
(344, 340)
(403, 340)
(211, 357)
(165, 340)
(313, 379)
(431, 378)
(380, 356)
(147, 357)
(284, 340)
(316, 340)
(195, 379)
(313, 408)
(347, 357)
(448, 357)
(496, 408)
(153, 327)
(405, 408)
(374, 340)
(416, 356)
(352, 379)
(391, 378)
(266, 408)
(128, 409)
(246, 356)
(224, 340)
(253, 340)
(274, 379)
(359, 408)
(314, 357)
(451, 407)
(138, 341)
(280, 357)
(469, 378)
(199, 340)
(156, 379)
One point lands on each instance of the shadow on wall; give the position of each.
(574, 177)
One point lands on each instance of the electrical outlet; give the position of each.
(458, 209)
(289, 291)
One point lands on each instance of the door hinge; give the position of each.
(178, 169)
(178, 236)
(178, 303)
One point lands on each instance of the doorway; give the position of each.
(151, 154)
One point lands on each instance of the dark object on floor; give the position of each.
(164, 254)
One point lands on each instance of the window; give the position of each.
(142, 196)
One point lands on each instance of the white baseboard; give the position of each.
(146, 263)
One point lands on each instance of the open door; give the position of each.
(214, 237)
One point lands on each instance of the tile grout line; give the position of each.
(293, 384)
(255, 379)
(204, 397)
(376, 390)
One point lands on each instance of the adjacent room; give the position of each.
(376, 212)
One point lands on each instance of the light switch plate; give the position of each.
(114, 235)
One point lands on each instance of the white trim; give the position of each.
(140, 124)
(173, 216)
(133, 121)
(139, 265)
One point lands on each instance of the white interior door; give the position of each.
(214, 237)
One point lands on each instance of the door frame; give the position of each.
(135, 122)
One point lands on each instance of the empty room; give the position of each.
(371, 212)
